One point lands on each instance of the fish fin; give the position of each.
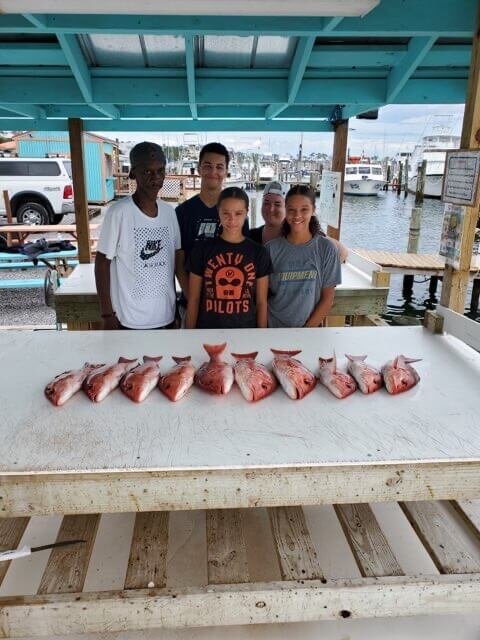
(281, 352)
(181, 359)
(410, 360)
(355, 358)
(245, 356)
(152, 358)
(215, 350)
(122, 359)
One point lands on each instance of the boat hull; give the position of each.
(433, 186)
(362, 187)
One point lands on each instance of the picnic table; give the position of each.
(23, 231)
(222, 455)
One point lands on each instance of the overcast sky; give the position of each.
(398, 128)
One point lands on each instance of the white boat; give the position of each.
(433, 149)
(235, 177)
(363, 178)
(267, 171)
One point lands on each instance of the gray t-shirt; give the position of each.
(300, 272)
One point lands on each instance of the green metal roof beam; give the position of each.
(332, 23)
(171, 125)
(81, 73)
(28, 54)
(38, 20)
(399, 75)
(29, 111)
(355, 56)
(355, 109)
(190, 65)
(406, 18)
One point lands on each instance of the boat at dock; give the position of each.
(433, 149)
(363, 177)
(267, 171)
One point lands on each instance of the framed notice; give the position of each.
(460, 182)
(330, 198)
(451, 237)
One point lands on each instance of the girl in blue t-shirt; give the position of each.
(228, 282)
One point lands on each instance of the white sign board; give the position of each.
(330, 194)
(460, 182)
(452, 234)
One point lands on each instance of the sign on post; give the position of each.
(330, 195)
(451, 237)
(460, 183)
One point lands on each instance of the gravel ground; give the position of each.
(26, 307)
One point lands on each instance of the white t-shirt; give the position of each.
(142, 271)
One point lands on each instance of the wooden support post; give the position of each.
(253, 212)
(8, 212)
(432, 287)
(419, 191)
(433, 322)
(455, 282)
(338, 164)
(399, 181)
(414, 231)
(405, 181)
(389, 175)
(380, 279)
(75, 131)
(475, 295)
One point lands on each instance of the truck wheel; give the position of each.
(57, 218)
(32, 213)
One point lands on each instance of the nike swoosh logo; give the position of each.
(144, 255)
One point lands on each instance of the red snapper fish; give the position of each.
(176, 382)
(66, 384)
(255, 381)
(137, 383)
(399, 376)
(295, 378)
(215, 376)
(368, 378)
(338, 383)
(101, 382)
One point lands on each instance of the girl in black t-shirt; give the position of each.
(228, 282)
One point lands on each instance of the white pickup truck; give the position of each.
(40, 189)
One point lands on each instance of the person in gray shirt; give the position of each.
(306, 266)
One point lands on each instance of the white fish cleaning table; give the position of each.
(211, 456)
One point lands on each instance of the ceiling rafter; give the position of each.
(29, 111)
(398, 77)
(81, 73)
(190, 65)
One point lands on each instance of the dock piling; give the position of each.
(399, 182)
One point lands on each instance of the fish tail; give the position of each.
(126, 360)
(152, 358)
(181, 359)
(355, 358)
(215, 350)
(245, 356)
(281, 352)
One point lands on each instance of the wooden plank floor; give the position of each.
(407, 261)
(227, 595)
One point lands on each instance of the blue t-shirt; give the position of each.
(300, 272)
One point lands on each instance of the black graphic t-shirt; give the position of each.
(229, 271)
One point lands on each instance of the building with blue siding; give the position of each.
(101, 158)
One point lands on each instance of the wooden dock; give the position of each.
(413, 263)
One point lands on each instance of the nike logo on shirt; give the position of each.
(151, 248)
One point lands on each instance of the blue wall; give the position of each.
(45, 142)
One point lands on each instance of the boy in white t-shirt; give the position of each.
(138, 250)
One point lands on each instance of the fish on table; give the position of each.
(215, 376)
(339, 383)
(254, 379)
(294, 377)
(178, 380)
(399, 375)
(367, 377)
(98, 384)
(137, 383)
(66, 384)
